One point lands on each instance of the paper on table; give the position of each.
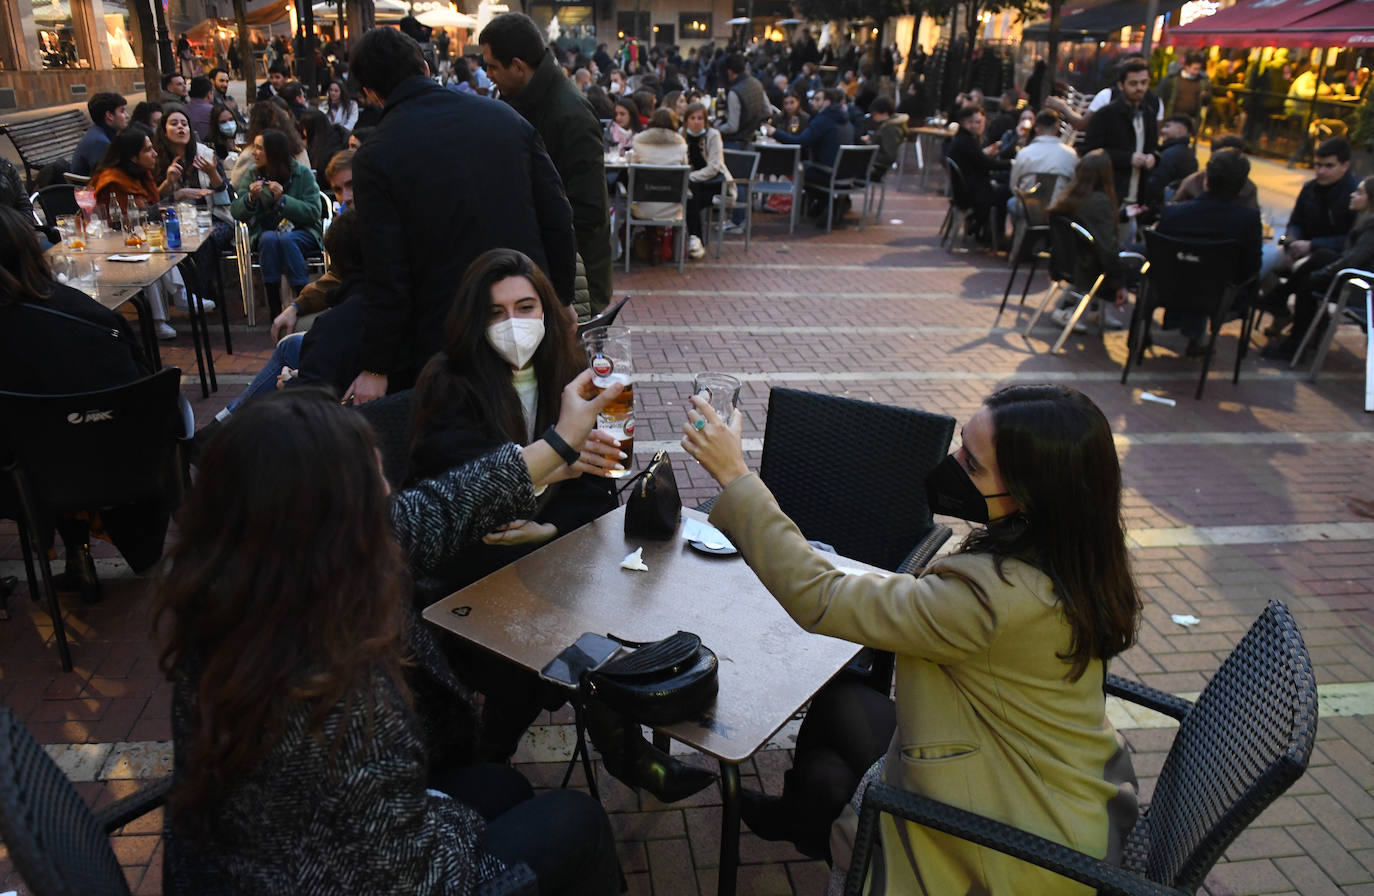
(706, 534)
(143, 256)
(635, 561)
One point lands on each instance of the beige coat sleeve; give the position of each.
(936, 617)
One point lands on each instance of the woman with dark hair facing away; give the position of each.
(1090, 200)
(280, 202)
(340, 106)
(56, 340)
(1002, 651)
(323, 139)
(305, 743)
(508, 353)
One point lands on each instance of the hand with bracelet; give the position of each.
(599, 452)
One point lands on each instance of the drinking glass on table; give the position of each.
(608, 355)
(720, 389)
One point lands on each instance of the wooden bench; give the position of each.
(46, 140)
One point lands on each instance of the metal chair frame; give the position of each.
(1032, 230)
(245, 258)
(657, 178)
(1336, 305)
(1064, 280)
(850, 174)
(742, 168)
(769, 154)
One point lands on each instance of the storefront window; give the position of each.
(56, 34)
(694, 25)
(122, 35)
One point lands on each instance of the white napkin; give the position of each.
(706, 534)
(635, 561)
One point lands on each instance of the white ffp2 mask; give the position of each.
(516, 339)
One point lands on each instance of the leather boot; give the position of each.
(637, 763)
(79, 576)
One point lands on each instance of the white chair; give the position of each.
(658, 184)
(1349, 297)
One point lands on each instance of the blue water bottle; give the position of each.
(173, 230)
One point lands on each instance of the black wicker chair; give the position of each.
(58, 845)
(1242, 744)
(392, 418)
(1194, 277)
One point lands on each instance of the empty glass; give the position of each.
(720, 389)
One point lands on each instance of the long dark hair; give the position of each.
(277, 152)
(24, 273)
(285, 582)
(272, 113)
(1055, 453)
(468, 373)
(635, 126)
(123, 151)
(1093, 174)
(221, 144)
(166, 152)
(345, 98)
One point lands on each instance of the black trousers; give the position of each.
(699, 198)
(563, 835)
(848, 726)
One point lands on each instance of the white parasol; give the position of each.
(741, 20)
(446, 18)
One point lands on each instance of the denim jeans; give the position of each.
(279, 251)
(286, 354)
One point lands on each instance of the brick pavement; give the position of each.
(1248, 494)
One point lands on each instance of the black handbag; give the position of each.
(654, 506)
(658, 683)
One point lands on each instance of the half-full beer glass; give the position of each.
(608, 355)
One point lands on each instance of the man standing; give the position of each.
(1045, 154)
(109, 114)
(745, 103)
(1129, 132)
(173, 90)
(434, 199)
(531, 80)
(198, 107)
(1188, 92)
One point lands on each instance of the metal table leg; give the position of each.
(145, 326)
(729, 828)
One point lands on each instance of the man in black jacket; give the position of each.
(1128, 130)
(445, 177)
(531, 80)
(984, 175)
(1176, 159)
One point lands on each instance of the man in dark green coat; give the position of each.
(531, 80)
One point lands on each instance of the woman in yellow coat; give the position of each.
(1001, 650)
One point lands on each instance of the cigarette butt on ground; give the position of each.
(1157, 399)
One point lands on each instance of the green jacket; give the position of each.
(572, 135)
(889, 136)
(299, 204)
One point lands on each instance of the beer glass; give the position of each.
(608, 355)
(719, 389)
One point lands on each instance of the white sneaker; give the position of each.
(1117, 318)
(695, 249)
(1061, 316)
(181, 304)
(165, 331)
(732, 227)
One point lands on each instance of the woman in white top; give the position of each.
(659, 144)
(706, 155)
(340, 107)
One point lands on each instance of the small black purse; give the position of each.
(654, 507)
(658, 683)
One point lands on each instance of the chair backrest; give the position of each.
(1035, 201)
(1189, 275)
(958, 187)
(604, 319)
(781, 160)
(56, 844)
(58, 199)
(874, 510)
(742, 164)
(392, 418)
(1043, 180)
(1244, 742)
(853, 164)
(1074, 254)
(659, 183)
(98, 449)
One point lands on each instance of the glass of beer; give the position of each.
(720, 390)
(608, 355)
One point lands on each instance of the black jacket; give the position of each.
(446, 177)
(1322, 214)
(1176, 161)
(975, 165)
(42, 353)
(330, 348)
(573, 137)
(1111, 129)
(1209, 218)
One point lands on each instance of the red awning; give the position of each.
(1349, 25)
(1247, 24)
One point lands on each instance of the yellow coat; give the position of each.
(986, 719)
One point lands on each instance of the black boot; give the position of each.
(638, 763)
(79, 575)
(772, 818)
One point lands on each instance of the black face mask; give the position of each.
(950, 492)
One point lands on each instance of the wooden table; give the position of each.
(530, 610)
(926, 135)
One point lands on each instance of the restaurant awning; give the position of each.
(1349, 25)
(1249, 23)
(1094, 22)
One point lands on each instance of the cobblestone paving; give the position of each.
(1255, 492)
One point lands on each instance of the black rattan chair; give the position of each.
(58, 845)
(64, 454)
(1191, 277)
(1243, 743)
(392, 417)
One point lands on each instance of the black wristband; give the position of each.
(563, 449)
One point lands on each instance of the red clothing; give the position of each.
(115, 181)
